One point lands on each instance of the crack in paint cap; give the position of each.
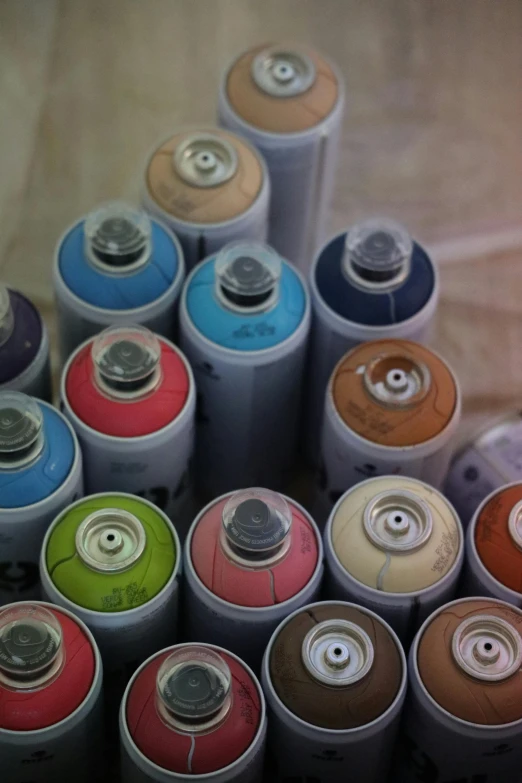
(283, 73)
(126, 361)
(6, 315)
(118, 237)
(21, 430)
(31, 650)
(205, 160)
(257, 523)
(247, 276)
(377, 254)
(193, 689)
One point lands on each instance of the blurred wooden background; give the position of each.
(432, 135)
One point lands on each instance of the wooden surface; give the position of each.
(432, 134)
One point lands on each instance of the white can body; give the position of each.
(489, 461)
(305, 752)
(332, 336)
(477, 579)
(438, 747)
(36, 379)
(200, 240)
(249, 405)
(137, 768)
(126, 638)
(244, 630)
(348, 458)
(405, 612)
(78, 320)
(71, 750)
(22, 532)
(302, 169)
(157, 467)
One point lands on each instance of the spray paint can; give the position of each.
(463, 715)
(494, 547)
(40, 474)
(114, 560)
(396, 546)
(368, 283)
(244, 323)
(288, 101)
(492, 458)
(334, 677)
(130, 397)
(116, 267)
(24, 347)
(50, 689)
(211, 187)
(193, 712)
(392, 407)
(251, 557)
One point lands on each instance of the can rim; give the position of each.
(77, 609)
(187, 557)
(172, 288)
(414, 669)
(515, 598)
(122, 713)
(373, 591)
(95, 685)
(401, 690)
(186, 320)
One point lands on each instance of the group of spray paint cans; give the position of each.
(380, 409)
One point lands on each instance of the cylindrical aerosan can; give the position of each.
(334, 677)
(244, 322)
(24, 347)
(463, 715)
(50, 688)
(131, 400)
(487, 462)
(116, 267)
(288, 101)
(392, 407)
(251, 557)
(368, 283)
(40, 474)
(193, 712)
(114, 560)
(494, 547)
(396, 546)
(211, 187)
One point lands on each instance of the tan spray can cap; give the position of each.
(394, 393)
(469, 659)
(282, 88)
(204, 176)
(396, 534)
(335, 666)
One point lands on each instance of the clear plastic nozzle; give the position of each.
(118, 237)
(377, 254)
(257, 524)
(31, 649)
(6, 315)
(193, 688)
(247, 276)
(127, 361)
(21, 430)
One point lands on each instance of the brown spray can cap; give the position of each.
(335, 666)
(282, 88)
(204, 176)
(394, 393)
(469, 658)
(498, 536)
